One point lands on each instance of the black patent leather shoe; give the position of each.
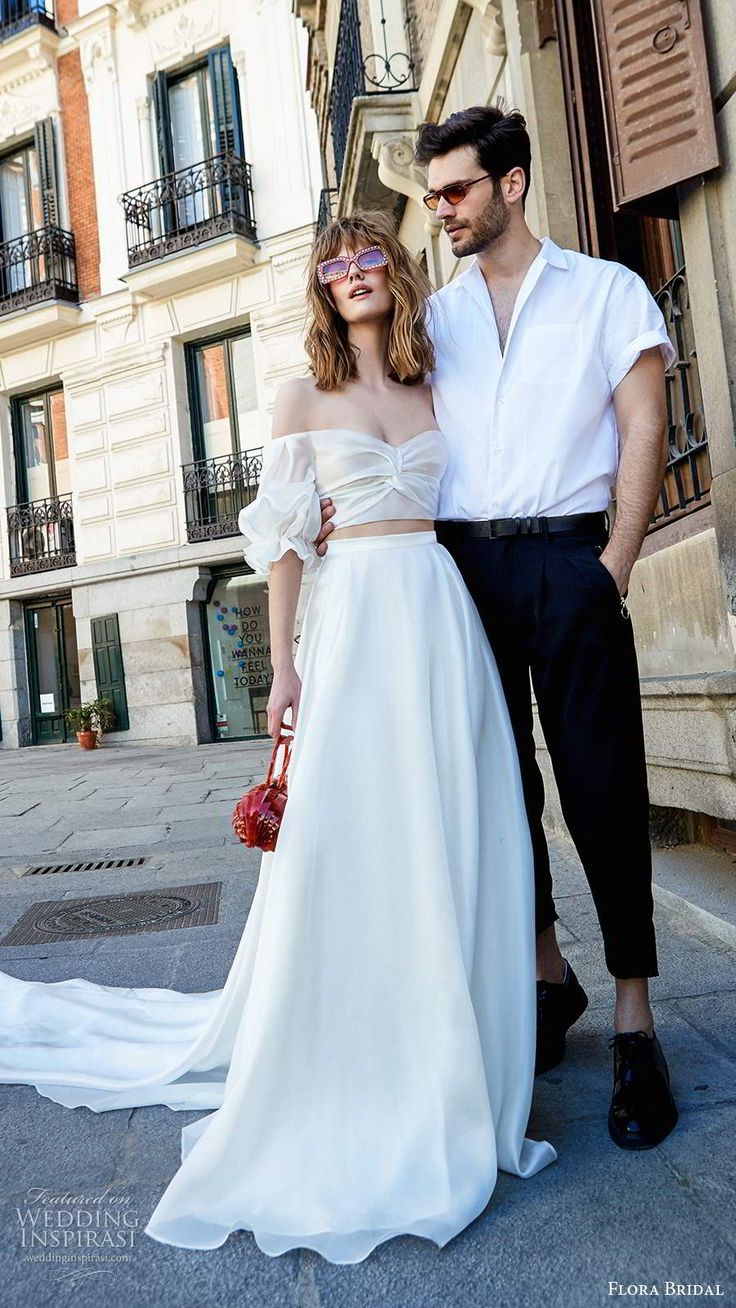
(559, 1004)
(643, 1110)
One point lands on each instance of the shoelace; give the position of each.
(637, 1053)
(634, 1044)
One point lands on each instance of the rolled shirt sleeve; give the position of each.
(286, 514)
(633, 322)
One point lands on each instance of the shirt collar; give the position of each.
(553, 254)
(549, 252)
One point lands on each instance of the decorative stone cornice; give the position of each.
(97, 57)
(491, 21)
(93, 34)
(397, 170)
(131, 359)
(378, 154)
(19, 113)
(28, 55)
(186, 35)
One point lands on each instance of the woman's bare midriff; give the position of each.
(388, 527)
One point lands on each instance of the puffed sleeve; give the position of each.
(633, 322)
(285, 515)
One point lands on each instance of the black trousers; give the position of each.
(552, 609)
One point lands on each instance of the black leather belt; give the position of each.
(492, 527)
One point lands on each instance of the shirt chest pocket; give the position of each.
(551, 355)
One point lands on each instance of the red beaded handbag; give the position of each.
(257, 816)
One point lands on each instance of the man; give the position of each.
(549, 387)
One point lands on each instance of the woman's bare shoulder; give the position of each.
(291, 409)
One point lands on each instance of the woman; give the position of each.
(371, 1055)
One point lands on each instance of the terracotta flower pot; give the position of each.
(87, 739)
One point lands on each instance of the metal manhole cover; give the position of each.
(168, 909)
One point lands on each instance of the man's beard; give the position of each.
(486, 229)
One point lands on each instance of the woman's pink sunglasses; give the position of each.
(334, 270)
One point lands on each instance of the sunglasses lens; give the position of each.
(333, 269)
(368, 259)
(454, 194)
(432, 200)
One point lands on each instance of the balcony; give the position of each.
(41, 536)
(184, 211)
(360, 70)
(327, 206)
(18, 14)
(215, 490)
(38, 274)
(686, 483)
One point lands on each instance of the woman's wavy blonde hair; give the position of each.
(410, 353)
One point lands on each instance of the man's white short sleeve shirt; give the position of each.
(533, 431)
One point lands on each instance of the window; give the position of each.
(626, 199)
(28, 203)
(198, 112)
(224, 403)
(198, 123)
(239, 655)
(41, 446)
(40, 524)
(225, 424)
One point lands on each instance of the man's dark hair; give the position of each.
(500, 140)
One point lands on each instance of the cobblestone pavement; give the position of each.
(598, 1215)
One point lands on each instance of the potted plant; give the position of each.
(96, 715)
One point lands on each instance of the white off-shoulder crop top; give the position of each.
(367, 479)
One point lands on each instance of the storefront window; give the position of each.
(240, 649)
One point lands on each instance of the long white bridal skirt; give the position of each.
(370, 1057)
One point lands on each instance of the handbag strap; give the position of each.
(284, 738)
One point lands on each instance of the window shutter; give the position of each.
(109, 671)
(160, 95)
(659, 111)
(226, 101)
(46, 154)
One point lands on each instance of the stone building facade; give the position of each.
(159, 178)
(632, 115)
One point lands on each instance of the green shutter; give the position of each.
(109, 671)
(160, 96)
(226, 101)
(46, 152)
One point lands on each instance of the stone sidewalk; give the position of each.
(596, 1216)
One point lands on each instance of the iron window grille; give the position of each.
(215, 490)
(41, 535)
(38, 266)
(360, 72)
(687, 479)
(17, 14)
(188, 207)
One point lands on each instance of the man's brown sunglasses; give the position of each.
(453, 193)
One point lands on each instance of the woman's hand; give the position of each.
(286, 690)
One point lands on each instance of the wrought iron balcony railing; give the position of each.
(215, 490)
(359, 72)
(327, 206)
(189, 207)
(38, 266)
(41, 535)
(17, 14)
(687, 478)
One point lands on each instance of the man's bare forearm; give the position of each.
(641, 469)
(639, 403)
